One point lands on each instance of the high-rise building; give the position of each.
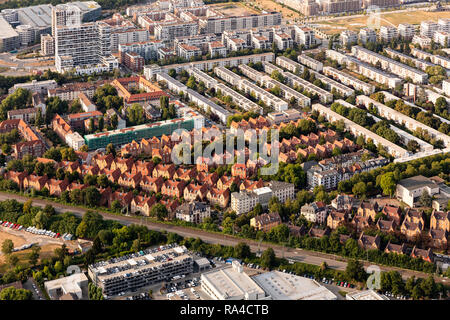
(65, 15)
(387, 34)
(428, 28)
(367, 35)
(406, 31)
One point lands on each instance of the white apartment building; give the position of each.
(314, 213)
(289, 64)
(239, 99)
(170, 30)
(348, 37)
(188, 52)
(388, 33)
(446, 87)
(436, 59)
(406, 31)
(194, 211)
(245, 201)
(422, 41)
(146, 49)
(402, 70)
(444, 24)
(349, 80)
(420, 64)
(337, 56)
(222, 62)
(199, 75)
(332, 85)
(47, 45)
(172, 84)
(295, 81)
(217, 49)
(367, 35)
(373, 73)
(218, 24)
(410, 123)
(428, 28)
(268, 98)
(227, 75)
(304, 36)
(200, 41)
(310, 62)
(358, 130)
(128, 36)
(35, 86)
(208, 105)
(288, 93)
(442, 37)
(283, 41)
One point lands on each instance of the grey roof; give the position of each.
(417, 182)
(6, 31)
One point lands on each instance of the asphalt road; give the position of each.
(305, 256)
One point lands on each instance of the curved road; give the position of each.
(300, 255)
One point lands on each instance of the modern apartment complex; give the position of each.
(144, 268)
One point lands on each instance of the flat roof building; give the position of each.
(141, 269)
(283, 286)
(365, 295)
(231, 284)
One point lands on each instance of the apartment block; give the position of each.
(338, 6)
(147, 267)
(348, 37)
(245, 201)
(397, 68)
(436, 59)
(288, 93)
(188, 52)
(169, 31)
(428, 28)
(239, 99)
(388, 33)
(310, 62)
(367, 35)
(349, 80)
(358, 130)
(289, 64)
(410, 123)
(211, 64)
(406, 31)
(263, 95)
(304, 36)
(295, 81)
(218, 24)
(419, 64)
(333, 85)
(146, 49)
(442, 37)
(47, 45)
(227, 75)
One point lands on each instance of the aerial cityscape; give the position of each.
(203, 150)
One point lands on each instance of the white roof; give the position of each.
(284, 286)
(365, 295)
(231, 283)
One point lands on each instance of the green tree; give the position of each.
(388, 183)
(33, 256)
(268, 258)
(355, 271)
(242, 250)
(7, 246)
(12, 293)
